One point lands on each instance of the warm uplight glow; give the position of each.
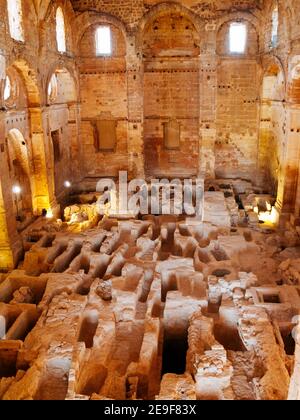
(238, 38)
(16, 189)
(49, 214)
(270, 217)
(67, 184)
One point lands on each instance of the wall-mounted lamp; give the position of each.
(49, 214)
(67, 184)
(16, 189)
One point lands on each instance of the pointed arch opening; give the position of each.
(19, 167)
(60, 31)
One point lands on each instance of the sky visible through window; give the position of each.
(60, 31)
(275, 24)
(103, 41)
(15, 18)
(238, 37)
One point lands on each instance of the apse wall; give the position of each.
(191, 86)
(171, 47)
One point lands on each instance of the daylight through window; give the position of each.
(103, 41)
(15, 18)
(238, 38)
(60, 31)
(275, 24)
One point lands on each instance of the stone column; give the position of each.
(43, 194)
(10, 243)
(75, 146)
(135, 112)
(7, 259)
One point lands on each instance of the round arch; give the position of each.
(30, 79)
(39, 181)
(249, 17)
(294, 82)
(17, 142)
(272, 72)
(67, 85)
(163, 9)
(19, 166)
(87, 19)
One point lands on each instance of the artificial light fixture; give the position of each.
(67, 184)
(269, 217)
(16, 189)
(49, 214)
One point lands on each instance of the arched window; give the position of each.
(7, 89)
(15, 19)
(103, 41)
(275, 25)
(60, 31)
(237, 37)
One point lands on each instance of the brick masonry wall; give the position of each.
(171, 94)
(103, 92)
(237, 119)
(154, 75)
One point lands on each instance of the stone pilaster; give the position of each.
(135, 113)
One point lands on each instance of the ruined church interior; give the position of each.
(152, 305)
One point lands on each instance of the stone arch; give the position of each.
(273, 68)
(19, 165)
(60, 139)
(17, 96)
(31, 82)
(88, 19)
(228, 17)
(41, 194)
(10, 244)
(18, 143)
(43, 8)
(162, 9)
(65, 76)
(272, 112)
(222, 32)
(294, 82)
(174, 120)
(48, 16)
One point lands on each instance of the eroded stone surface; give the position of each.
(154, 308)
(143, 307)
